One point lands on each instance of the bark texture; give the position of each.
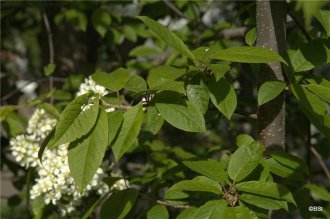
(271, 35)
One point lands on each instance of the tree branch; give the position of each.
(51, 50)
(321, 162)
(171, 205)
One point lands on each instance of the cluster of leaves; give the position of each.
(189, 90)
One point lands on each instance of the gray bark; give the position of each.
(271, 35)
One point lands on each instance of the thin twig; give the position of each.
(321, 162)
(174, 8)
(300, 26)
(51, 50)
(109, 105)
(171, 205)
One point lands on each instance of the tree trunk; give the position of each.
(271, 116)
(271, 35)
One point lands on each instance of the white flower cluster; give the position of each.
(90, 85)
(53, 182)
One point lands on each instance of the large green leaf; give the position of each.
(320, 91)
(158, 212)
(244, 160)
(74, 122)
(313, 107)
(178, 112)
(219, 70)
(115, 119)
(290, 161)
(129, 131)
(198, 184)
(236, 213)
(208, 167)
(101, 21)
(197, 93)
(153, 122)
(268, 189)
(164, 74)
(282, 170)
(264, 202)
(211, 210)
(310, 55)
(86, 154)
(119, 204)
(223, 96)
(324, 18)
(244, 139)
(167, 36)
(187, 213)
(114, 81)
(5, 111)
(248, 54)
(136, 84)
(269, 91)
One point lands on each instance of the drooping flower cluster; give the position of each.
(53, 181)
(90, 85)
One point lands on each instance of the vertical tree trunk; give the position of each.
(271, 35)
(271, 116)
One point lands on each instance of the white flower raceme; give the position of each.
(53, 181)
(90, 85)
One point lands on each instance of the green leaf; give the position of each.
(268, 189)
(263, 202)
(114, 81)
(244, 139)
(45, 143)
(251, 36)
(158, 212)
(269, 91)
(115, 119)
(310, 55)
(197, 93)
(198, 184)
(178, 112)
(38, 205)
(283, 171)
(313, 107)
(74, 122)
(164, 74)
(324, 17)
(319, 192)
(49, 69)
(167, 36)
(176, 86)
(187, 213)
(211, 210)
(248, 54)
(86, 154)
(119, 204)
(309, 8)
(154, 121)
(136, 84)
(244, 160)
(320, 91)
(144, 51)
(223, 96)
(101, 21)
(290, 161)
(208, 167)
(219, 70)
(130, 33)
(237, 213)
(5, 111)
(129, 131)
